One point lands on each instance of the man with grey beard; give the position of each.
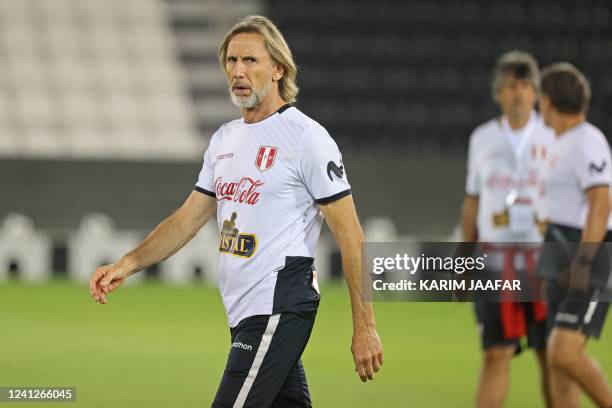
(255, 97)
(271, 176)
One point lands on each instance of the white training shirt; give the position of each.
(269, 178)
(501, 160)
(580, 160)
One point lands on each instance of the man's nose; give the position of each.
(238, 70)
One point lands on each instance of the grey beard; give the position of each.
(252, 100)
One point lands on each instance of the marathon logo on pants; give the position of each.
(241, 345)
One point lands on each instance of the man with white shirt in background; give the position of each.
(577, 182)
(501, 206)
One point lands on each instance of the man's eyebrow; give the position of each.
(243, 57)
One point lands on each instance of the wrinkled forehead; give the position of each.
(511, 78)
(518, 70)
(247, 44)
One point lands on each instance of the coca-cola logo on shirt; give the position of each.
(243, 191)
(506, 181)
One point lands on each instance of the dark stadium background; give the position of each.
(400, 85)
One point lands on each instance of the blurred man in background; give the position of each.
(577, 181)
(268, 176)
(501, 206)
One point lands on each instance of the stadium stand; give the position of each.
(415, 74)
(199, 27)
(92, 79)
(399, 84)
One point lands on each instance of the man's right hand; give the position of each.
(106, 279)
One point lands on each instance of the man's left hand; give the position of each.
(367, 353)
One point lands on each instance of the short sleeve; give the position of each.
(321, 167)
(593, 162)
(206, 183)
(472, 179)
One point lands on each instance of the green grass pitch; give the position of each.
(158, 346)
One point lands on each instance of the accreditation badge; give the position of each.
(521, 214)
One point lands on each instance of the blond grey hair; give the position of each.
(520, 65)
(277, 47)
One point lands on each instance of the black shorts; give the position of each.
(492, 331)
(264, 367)
(559, 251)
(587, 317)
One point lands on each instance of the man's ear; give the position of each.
(544, 102)
(278, 73)
(496, 97)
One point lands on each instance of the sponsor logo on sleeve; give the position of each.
(595, 169)
(332, 167)
(236, 243)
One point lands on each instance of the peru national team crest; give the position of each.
(265, 157)
(538, 152)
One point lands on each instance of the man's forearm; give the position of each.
(469, 213)
(593, 233)
(597, 217)
(342, 220)
(594, 230)
(596, 224)
(164, 241)
(469, 231)
(363, 315)
(365, 346)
